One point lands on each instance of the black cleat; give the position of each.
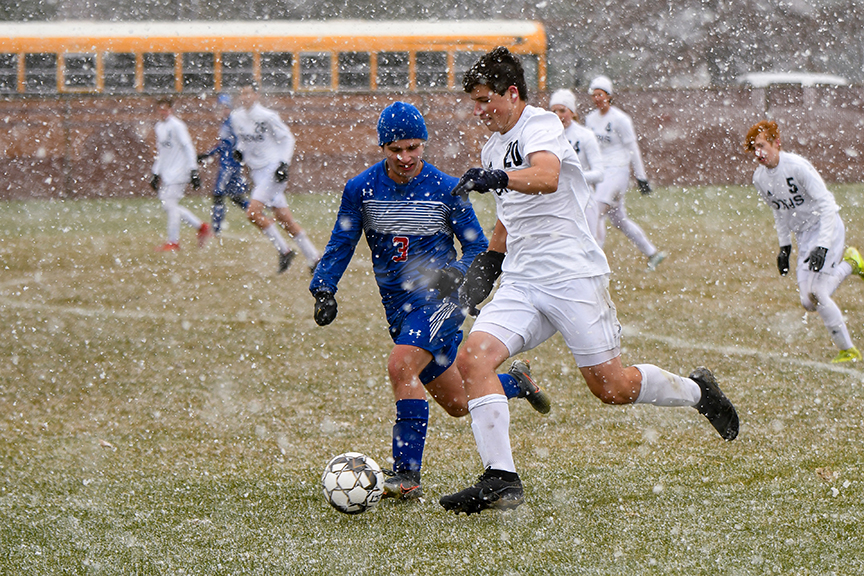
(536, 396)
(404, 485)
(714, 405)
(490, 491)
(285, 261)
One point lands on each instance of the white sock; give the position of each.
(307, 248)
(189, 218)
(172, 210)
(490, 422)
(272, 232)
(663, 388)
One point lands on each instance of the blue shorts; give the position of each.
(230, 184)
(435, 328)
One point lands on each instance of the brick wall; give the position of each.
(101, 147)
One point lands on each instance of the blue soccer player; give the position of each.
(230, 181)
(404, 207)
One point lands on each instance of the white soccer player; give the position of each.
(584, 142)
(614, 131)
(554, 278)
(266, 145)
(175, 167)
(803, 206)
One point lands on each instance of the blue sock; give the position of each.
(409, 434)
(511, 386)
(218, 216)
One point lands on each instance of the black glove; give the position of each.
(281, 173)
(444, 280)
(325, 307)
(195, 179)
(237, 155)
(202, 157)
(644, 188)
(480, 279)
(816, 258)
(783, 259)
(480, 180)
(155, 181)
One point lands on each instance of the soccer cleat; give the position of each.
(285, 261)
(714, 405)
(853, 257)
(849, 355)
(404, 485)
(168, 247)
(536, 396)
(490, 491)
(204, 234)
(655, 260)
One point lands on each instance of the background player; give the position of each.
(174, 168)
(584, 142)
(404, 207)
(266, 145)
(555, 279)
(614, 131)
(230, 181)
(803, 206)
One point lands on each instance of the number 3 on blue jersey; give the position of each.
(401, 245)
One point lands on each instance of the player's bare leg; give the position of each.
(286, 219)
(255, 213)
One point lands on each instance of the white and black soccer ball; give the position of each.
(353, 482)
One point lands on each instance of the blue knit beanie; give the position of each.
(400, 121)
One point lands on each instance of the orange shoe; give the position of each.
(204, 234)
(168, 247)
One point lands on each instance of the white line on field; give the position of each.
(676, 342)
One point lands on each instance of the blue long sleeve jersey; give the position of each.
(225, 149)
(409, 228)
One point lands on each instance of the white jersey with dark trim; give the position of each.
(548, 239)
(617, 138)
(798, 197)
(175, 153)
(262, 137)
(587, 149)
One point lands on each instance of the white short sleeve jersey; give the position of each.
(798, 197)
(587, 150)
(175, 153)
(614, 132)
(262, 137)
(548, 239)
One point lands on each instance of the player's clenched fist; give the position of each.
(480, 279)
(480, 180)
(325, 307)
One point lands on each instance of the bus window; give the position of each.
(531, 65)
(238, 70)
(158, 72)
(8, 73)
(462, 62)
(277, 71)
(119, 72)
(40, 73)
(354, 71)
(315, 70)
(79, 71)
(198, 72)
(431, 70)
(393, 71)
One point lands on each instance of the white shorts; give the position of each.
(266, 189)
(172, 191)
(614, 185)
(807, 241)
(523, 316)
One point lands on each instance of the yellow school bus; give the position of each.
(200, 57)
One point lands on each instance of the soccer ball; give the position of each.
(353, 482)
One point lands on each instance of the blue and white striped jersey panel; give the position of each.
(440, 316)
(406, 218)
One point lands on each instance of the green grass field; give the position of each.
(172, 413)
